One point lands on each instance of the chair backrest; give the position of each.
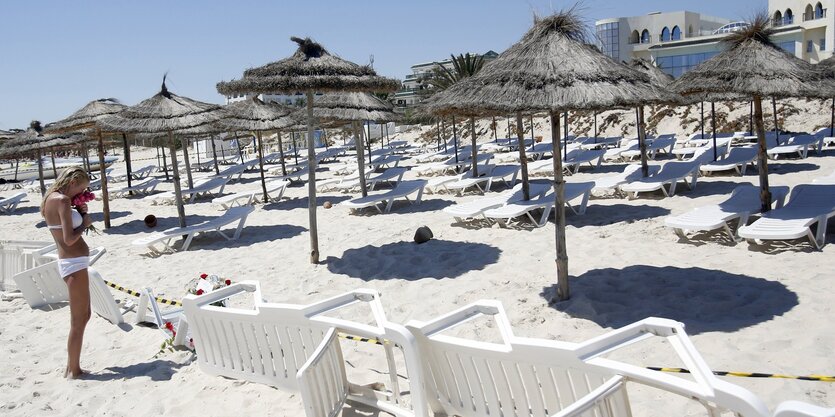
(676, 169)
(537, 377)
(803, 140)
(818, 197)
(271, 343)
(322, 379)
(42, 285)
(15, 257)
(747, 198)
(102, 299)
(740, 155)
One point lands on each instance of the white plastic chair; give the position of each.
(537, 377)
(17, 256)
(740, 205)
(271, 343)
(9, 204)
(809, 204)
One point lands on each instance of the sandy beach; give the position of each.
(747, 308)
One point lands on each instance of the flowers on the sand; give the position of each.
(206, 283)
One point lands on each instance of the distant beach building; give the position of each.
(408, 95)
(679, 41)
(286, 99)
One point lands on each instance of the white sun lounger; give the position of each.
(737, 159)
(335, 182)
(476, 208)
(485, 183)
(233, 215)
(209, 187)
(797, 145)
(670, 175)
(742, 203)
(575, 159)
(391, 175)
(296, 176)
(809, 204)
(275, 190)
(144, 172)
(450, 164)
(722, 147)
(403, 190)
(42, 285)
(653, 147)
(287, 345)
(145, 187)
(17, 256)
(610, 184)
(9, 204)
(537, 377)
(506, 213)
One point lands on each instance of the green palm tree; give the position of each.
(463, 66)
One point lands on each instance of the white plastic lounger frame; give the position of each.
(537, 377)
(383, 202)
(476, 208)
(741, 204)
(145, 187)
(42, 285)
(9, 204)
(809, 204)
(275, 190)
(272, 342)
(546, 202)
(670, 175)
(737, 159)
(632, 172)
(17, 256)
(159, 317)
(799, 144)
(234, 214)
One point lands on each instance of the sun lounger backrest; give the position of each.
(102, 299)
(676, 169)
(813, 196)
(42, 285)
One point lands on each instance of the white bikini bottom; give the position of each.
(69, 266)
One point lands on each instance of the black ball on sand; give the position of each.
(423, 235)
(150, 220)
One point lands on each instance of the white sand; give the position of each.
(746, 309)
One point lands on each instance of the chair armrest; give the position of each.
(602, 393)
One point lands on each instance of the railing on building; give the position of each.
(817, 14)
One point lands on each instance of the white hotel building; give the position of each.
(679, 41)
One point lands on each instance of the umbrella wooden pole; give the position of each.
(164, 163)
(520, 133)
(184, 143)
(178, 193)
(325, 138)
(642, 142)
(40, 173)
(52, 156)
(475, 148)
(559, 212)
(295, 149)
(455, 139)
(713, 128)
(509, 131)
(214, 155)
(565, 136)
(762, 156)
(238, 143)
(368, 142)
(438, 125)
(495, 130)
(156, 148)
(105, 200)
(281, 153)
(16, 168)
(127, 159)
(533, 135)
(358, 134)
(311, 183)
(832, 120)
(776, 129)
(702, 103)
(443, 128)
(595, 126)
(261, 165)
(751, 117)
(198, 152)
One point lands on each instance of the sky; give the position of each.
(58, 55)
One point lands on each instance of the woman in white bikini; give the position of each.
(66, 225)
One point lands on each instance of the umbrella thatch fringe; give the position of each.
(255, 115)
(311, 67)
(349, 106)
(87, 116)
(164, 112)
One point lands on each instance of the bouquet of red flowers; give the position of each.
(206, 283)
(81, 200)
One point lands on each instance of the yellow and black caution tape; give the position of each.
(820, 378)
(361, 339)
(137, 294)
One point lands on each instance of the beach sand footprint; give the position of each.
(704, 300)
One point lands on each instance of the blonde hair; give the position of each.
(67, 176)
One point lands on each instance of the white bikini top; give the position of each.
(76, 222)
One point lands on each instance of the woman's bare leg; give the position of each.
(79, 290)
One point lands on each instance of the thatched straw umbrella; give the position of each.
(354, 107)
(165, 113)
(753, 66)
(310, 69)
(551, 69)
(86, 119)
(256, 116)
(828, 66)
(31, 142)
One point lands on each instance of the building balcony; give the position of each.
(785, 21)
(817, 15)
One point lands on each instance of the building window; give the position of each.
(788, 46)
(676, 33)
(679, 64)
(645, 36)
(810, 46)
(820, 12)
(608, 36)
(788, 17)
(665, 35)
(823, 44)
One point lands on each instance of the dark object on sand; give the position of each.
(423, 235)
(151, 220)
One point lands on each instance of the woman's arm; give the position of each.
(65, 213)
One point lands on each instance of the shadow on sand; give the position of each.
(601, 215)
(158, 370)
(138, 225)
(410, 261)
(301, 202)
(704, 300)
